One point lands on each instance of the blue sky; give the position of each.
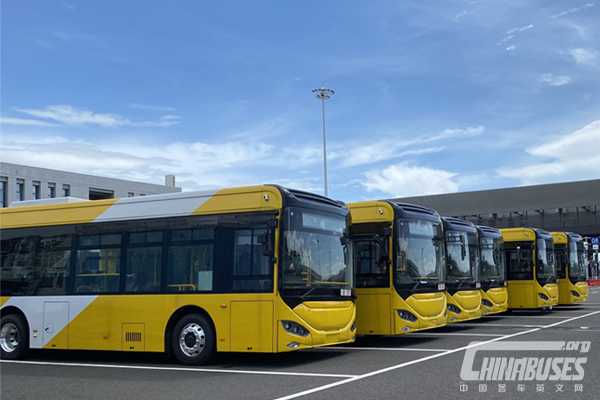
(430, 97)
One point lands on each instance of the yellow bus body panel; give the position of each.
(243, 322)
(320, 314)
(499, 299)
(250, 198)
(429, 308)
(522, 294)
(469, 303)
(371, 211)
(525, 294)
(565, 289)
(54, 214)
(373, 311)
(377, 311)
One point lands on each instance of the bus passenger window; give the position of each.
(98, 264)
(190, 260)
(143, 265)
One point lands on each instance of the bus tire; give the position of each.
(193, 340)
(14, 338)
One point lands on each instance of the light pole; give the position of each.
(323, 94)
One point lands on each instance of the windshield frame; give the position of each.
(300, 273)
(490, 245)
(545, 265)
(410, 271)
(457, 275)
(576, 257)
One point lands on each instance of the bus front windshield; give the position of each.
(316, 253)
(462, 252)
(577, 271)
(493, 264)
(545, 268)
(420, 250)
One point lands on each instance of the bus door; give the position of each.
(521, 290)
(252, 315)
(373, 294)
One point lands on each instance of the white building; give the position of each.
(21, 182)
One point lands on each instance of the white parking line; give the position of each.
(406, 364)
(453, 334)
(528, 316)
(496, 325)
(220, 371)
(380, 349)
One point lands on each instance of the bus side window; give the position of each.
(190, 260)
(35, 264)
(251, 269)
(98, 264)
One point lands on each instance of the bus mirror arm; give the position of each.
(267, 245)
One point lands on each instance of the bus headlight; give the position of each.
(574, 293)
(543, 296)
(294, 328)
(407, 316)
(487, 303)
(452, 308)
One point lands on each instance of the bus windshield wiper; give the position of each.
(461, 283)
(313, 288)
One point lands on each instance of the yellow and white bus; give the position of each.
(570, 267)
(531, 271)
(492, 271)
(463, 292)
(399, 265)
(251, 269)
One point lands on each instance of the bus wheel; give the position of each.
(193, 340)
(14, 339)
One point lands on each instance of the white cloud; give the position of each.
(511, 48)
(506, 39)
(520, 29)
(457, 133)
(72, 116)
(28, 122)
(154, 108)
(403, 180)
(572, 157)
(572, 10)
(197, 165)
(380, 151)
(584, 56)
(555, 80)
(354, 155)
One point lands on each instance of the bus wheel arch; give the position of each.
(191, 336)
(14, 334)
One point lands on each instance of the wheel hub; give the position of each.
(9, 337)
(192, 340)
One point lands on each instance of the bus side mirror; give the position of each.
(519, 254)
(463, 247)
(267, 245)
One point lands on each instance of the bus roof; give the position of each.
(457, 224)
(240, 199)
